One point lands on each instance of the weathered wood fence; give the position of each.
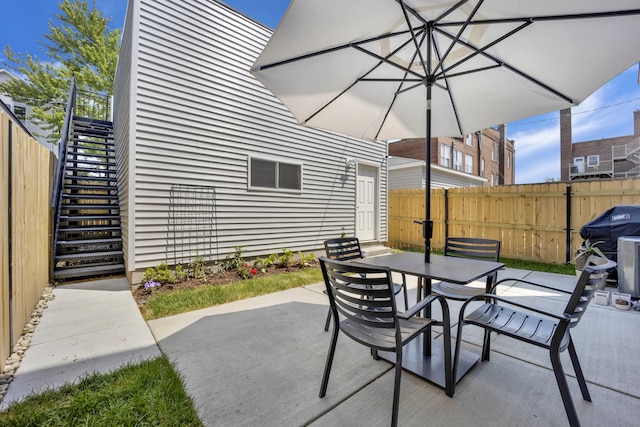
(530, 220)
(26, 170)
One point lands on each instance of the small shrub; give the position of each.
(307, 260)
(162, 274)
(234, 261)
(284, 259)
(198, 268)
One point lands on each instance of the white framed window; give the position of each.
(470, 140)
(593, 160)
(509, 161)
(457, 160)
(445, 155)
(481, 167)
(468, 163)
(493, 152)
(274, 174)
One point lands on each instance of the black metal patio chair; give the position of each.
(348, 249)
(467, 247)
(537, 326)
(363, 297)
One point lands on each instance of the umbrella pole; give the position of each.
(427, 224)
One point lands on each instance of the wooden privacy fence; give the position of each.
(26, 169)
(530, 220)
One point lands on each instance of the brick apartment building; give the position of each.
(605, 158)
(487, 153)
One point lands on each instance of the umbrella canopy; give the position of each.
(385, 69)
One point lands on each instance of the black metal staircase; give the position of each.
(88, 240)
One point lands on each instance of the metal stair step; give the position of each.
(88, 255)
(101, 241)
(85, 147)
(91, 162)
(89, 217)
(110, 156)
(93, 207)
(88, 171)
(89, 178)
(90, 271)
(85, 187)
(91, 229)
(89, 196)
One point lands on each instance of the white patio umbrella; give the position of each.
(385, 69)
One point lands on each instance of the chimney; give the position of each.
(636, 123)
(565, 144)
(502, 149)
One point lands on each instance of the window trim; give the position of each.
(277, 161)
(593, 156)
(445, 154)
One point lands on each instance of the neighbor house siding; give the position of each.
(200, 115)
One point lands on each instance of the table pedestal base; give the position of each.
(430, 367)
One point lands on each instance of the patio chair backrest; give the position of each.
(343, 248)
(469, 247)
(593, 277)
(362, 294)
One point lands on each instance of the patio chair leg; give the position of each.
(328, 322)
(396, 388)
(578, 370)
(486, 345)
(327, 366)
(456, 355)
(404, 289)
(565, 393)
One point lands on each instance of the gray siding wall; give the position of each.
(124, 127)
(199, 115)
(407, 178)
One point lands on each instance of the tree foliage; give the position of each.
(79, 44)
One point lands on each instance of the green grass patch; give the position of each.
(149, 393)
(165, 304)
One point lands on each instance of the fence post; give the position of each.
(568, 230)
(446, 214)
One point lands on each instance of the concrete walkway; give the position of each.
(87, 328)
(260, 361)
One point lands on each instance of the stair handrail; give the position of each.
(62, 144)
(61, 168)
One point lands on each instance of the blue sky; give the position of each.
(606, 113)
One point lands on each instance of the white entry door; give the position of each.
(366, 207)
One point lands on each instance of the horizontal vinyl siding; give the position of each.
(122, 105)
(200, 115)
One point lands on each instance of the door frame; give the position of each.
(376, 203)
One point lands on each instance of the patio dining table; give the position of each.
(424, 356)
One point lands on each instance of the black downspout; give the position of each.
(568, 229)
(10, 231)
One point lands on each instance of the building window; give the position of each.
(509, 161)
(445, 156)
(468, 163)
(481, 167)
(274, 174)
(492, 181)
(593, 160)
(470, 140)
(20, 112)
(493, 152)
(457, 160)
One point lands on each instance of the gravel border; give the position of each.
(12, 364)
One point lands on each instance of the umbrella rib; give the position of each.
(414, 38)
(512, 69)
(331, 50)
(448, 89)
(457, 37)
(575, 16)
(382, 60)
(484, 48)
